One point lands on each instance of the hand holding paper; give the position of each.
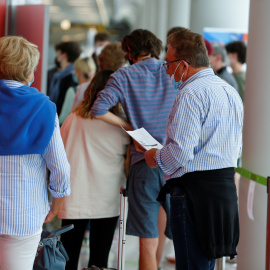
(150, 158)
(138, 147)
(144, 139)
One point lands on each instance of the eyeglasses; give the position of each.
(166, 65)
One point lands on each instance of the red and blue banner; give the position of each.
(224, 36)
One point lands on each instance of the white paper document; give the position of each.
(144, 139)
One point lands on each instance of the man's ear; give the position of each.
(235, 55)
(65, 55)
(185, 70)
(219, 58)
(185, 66)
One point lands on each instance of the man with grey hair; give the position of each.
(204, 140)
(217, 61)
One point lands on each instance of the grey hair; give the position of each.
(218, 49)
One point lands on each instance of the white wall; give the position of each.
(221, 14)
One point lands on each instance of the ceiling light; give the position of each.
(65, 24)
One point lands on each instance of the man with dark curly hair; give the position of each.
(237, 55)
(146, 95)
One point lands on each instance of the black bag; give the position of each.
(51, 254)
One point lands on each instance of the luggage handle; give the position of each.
(124, 191)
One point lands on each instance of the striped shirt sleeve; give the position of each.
(58, 165)
(107, 98)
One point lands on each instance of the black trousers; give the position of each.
(101, 237)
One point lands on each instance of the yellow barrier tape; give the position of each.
(252, 176)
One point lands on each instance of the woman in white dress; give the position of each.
(97, 153)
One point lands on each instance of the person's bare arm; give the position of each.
(127, 160)
(114, 120)
(55, 207)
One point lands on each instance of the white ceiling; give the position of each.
(95, 12)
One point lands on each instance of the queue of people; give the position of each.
(181, 102)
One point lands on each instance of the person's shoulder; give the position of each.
(85, 84)
(42, 96)
(146, 63)
(67, 77)
(72, 116)
(227, 75)
(67, 81)
(240, 75)
(203, 86)
(224, 72)
(68, 121)
(124, 70)
(125, 73)
(71, 90)
(153, 64)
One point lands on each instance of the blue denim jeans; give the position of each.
(188, 254)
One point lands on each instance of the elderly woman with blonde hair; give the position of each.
(30, 140)
(84, 71)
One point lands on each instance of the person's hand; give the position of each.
(54, 208)
(50, 216)
(149, 157)
(138, 147)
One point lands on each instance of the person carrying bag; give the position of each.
(51, 254)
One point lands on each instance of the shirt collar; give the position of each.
(146, 60)
(12, 84)
(203, 73)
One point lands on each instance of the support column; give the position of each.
(161, 20)
(179, 13)
(221, 14)
(146, 16)
(256, 148)
(153, 17)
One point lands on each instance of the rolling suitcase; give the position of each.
(122, 233)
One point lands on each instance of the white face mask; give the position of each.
(176, 84)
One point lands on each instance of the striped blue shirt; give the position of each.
(204, 130)
(23, 187)
(146, 94)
